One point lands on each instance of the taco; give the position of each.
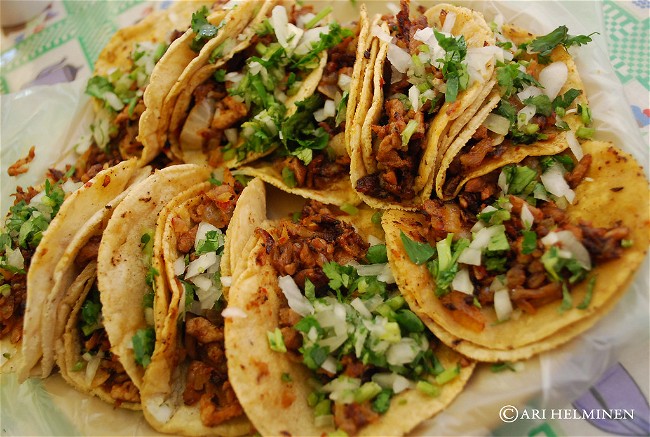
(121, 77)
(537, 110)
(83, 352)
(528, 256)
(312, 159)
(439, 70)
(124, 272)
(51, 261)
(186, 388)
(211, 33)
(230, 112)
(323, 340)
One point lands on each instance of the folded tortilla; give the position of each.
(274, 387)
(51, 263)
(451, 175)
(189, 334)
(401, 175)
(610, 179)
(121, 262)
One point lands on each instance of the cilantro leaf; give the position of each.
(418, 252)
(301, 134)
(202, 28)
(454, 70)
(545, 44)
(143, 345)
(511, 79)
(377, 254)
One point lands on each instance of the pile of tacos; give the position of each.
(450, 207)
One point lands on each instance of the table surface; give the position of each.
(62, 41)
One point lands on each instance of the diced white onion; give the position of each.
(114, 101)
(91, 369)
(370, 269)
(235, 77)
(462, 282)
(574, 145)
(470, 256)
(373, 241)
(381, 34)
(197, 121)
(233, 313)
(503, 182)
(296, 300)
(208, 297)
(148, 316)
(203, 282)
(303, 19)
(15, 258)
(344, 82)
(553, 78)
(232, 135)
(450, 20)
(399, 58)
(423, 35)
(179, 266)
(358, 305)
(570, 243)
(393, 381)
(414, 97)
(497, 124)
(554, 182)
(529, 91)
(201, 264)
(386, 275)
(226, 281)
(527, 217)
(403, 352)
(333, 343)
(202, 231)
(502, 304)
(160, 410)
(524, 115)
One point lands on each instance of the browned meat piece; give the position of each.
(604, 244)
(204, 331)
(228, 112)
(292, 339)
(88, 252)
(579, 172)
(219, 407)
(126, 392)
(463, 310)
(352, 417)
(537, 297)
(22, 165)
(198, 376)
(475, 156)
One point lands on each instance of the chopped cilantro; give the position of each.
(300, 133)
(409, 321)
(376, 218)
(213, 242)
(567, 301)
(202, 28)
(588, 295)
(276, 341)
(453, 69)
(377, 254)
(586, 133)
(501, 366)
(143, 345)
(286, 377)
(544, 45)
(91, 313)
(382, 401)
(529, 242)
(418, 252)
(289, 177)
(565, 100)
(349, 209)
(511, 79)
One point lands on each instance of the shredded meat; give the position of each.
(88, 252)
(228, 112)
(579, 172)
(22, 165)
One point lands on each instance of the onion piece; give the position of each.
(233, 313)
(197, 121)
(574, 145)
(403, 352)
(296, 300)
(502, 304)
(497, 124)
(470, 256)
(527, 217)
(399, 58)
(554, 182)
(226, 281)
(553, 78)
(414, 97)
(201, 264)
(381, 34)
(571, 244)
(529, 91)
(525, 114)
(358, 305)
(450, 20)
(179, 266)
(91, 369)
(462, 282)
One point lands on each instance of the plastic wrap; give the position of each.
(51, 118)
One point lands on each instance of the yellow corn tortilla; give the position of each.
(446, 123)
(277, 407)
(517, 152)
(75, 211)
(164, 379)
(614, 173)
(69, 345)
(120, 263)
(164, 79)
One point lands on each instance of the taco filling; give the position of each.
(28, 218)
(239, 110)
(532, 109)
(345, 320)
(200, 243)
(314, 154)
(102, 368)
(508, 242)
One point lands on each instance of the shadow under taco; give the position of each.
(323, 340)
(537, 254)
(186, 388)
